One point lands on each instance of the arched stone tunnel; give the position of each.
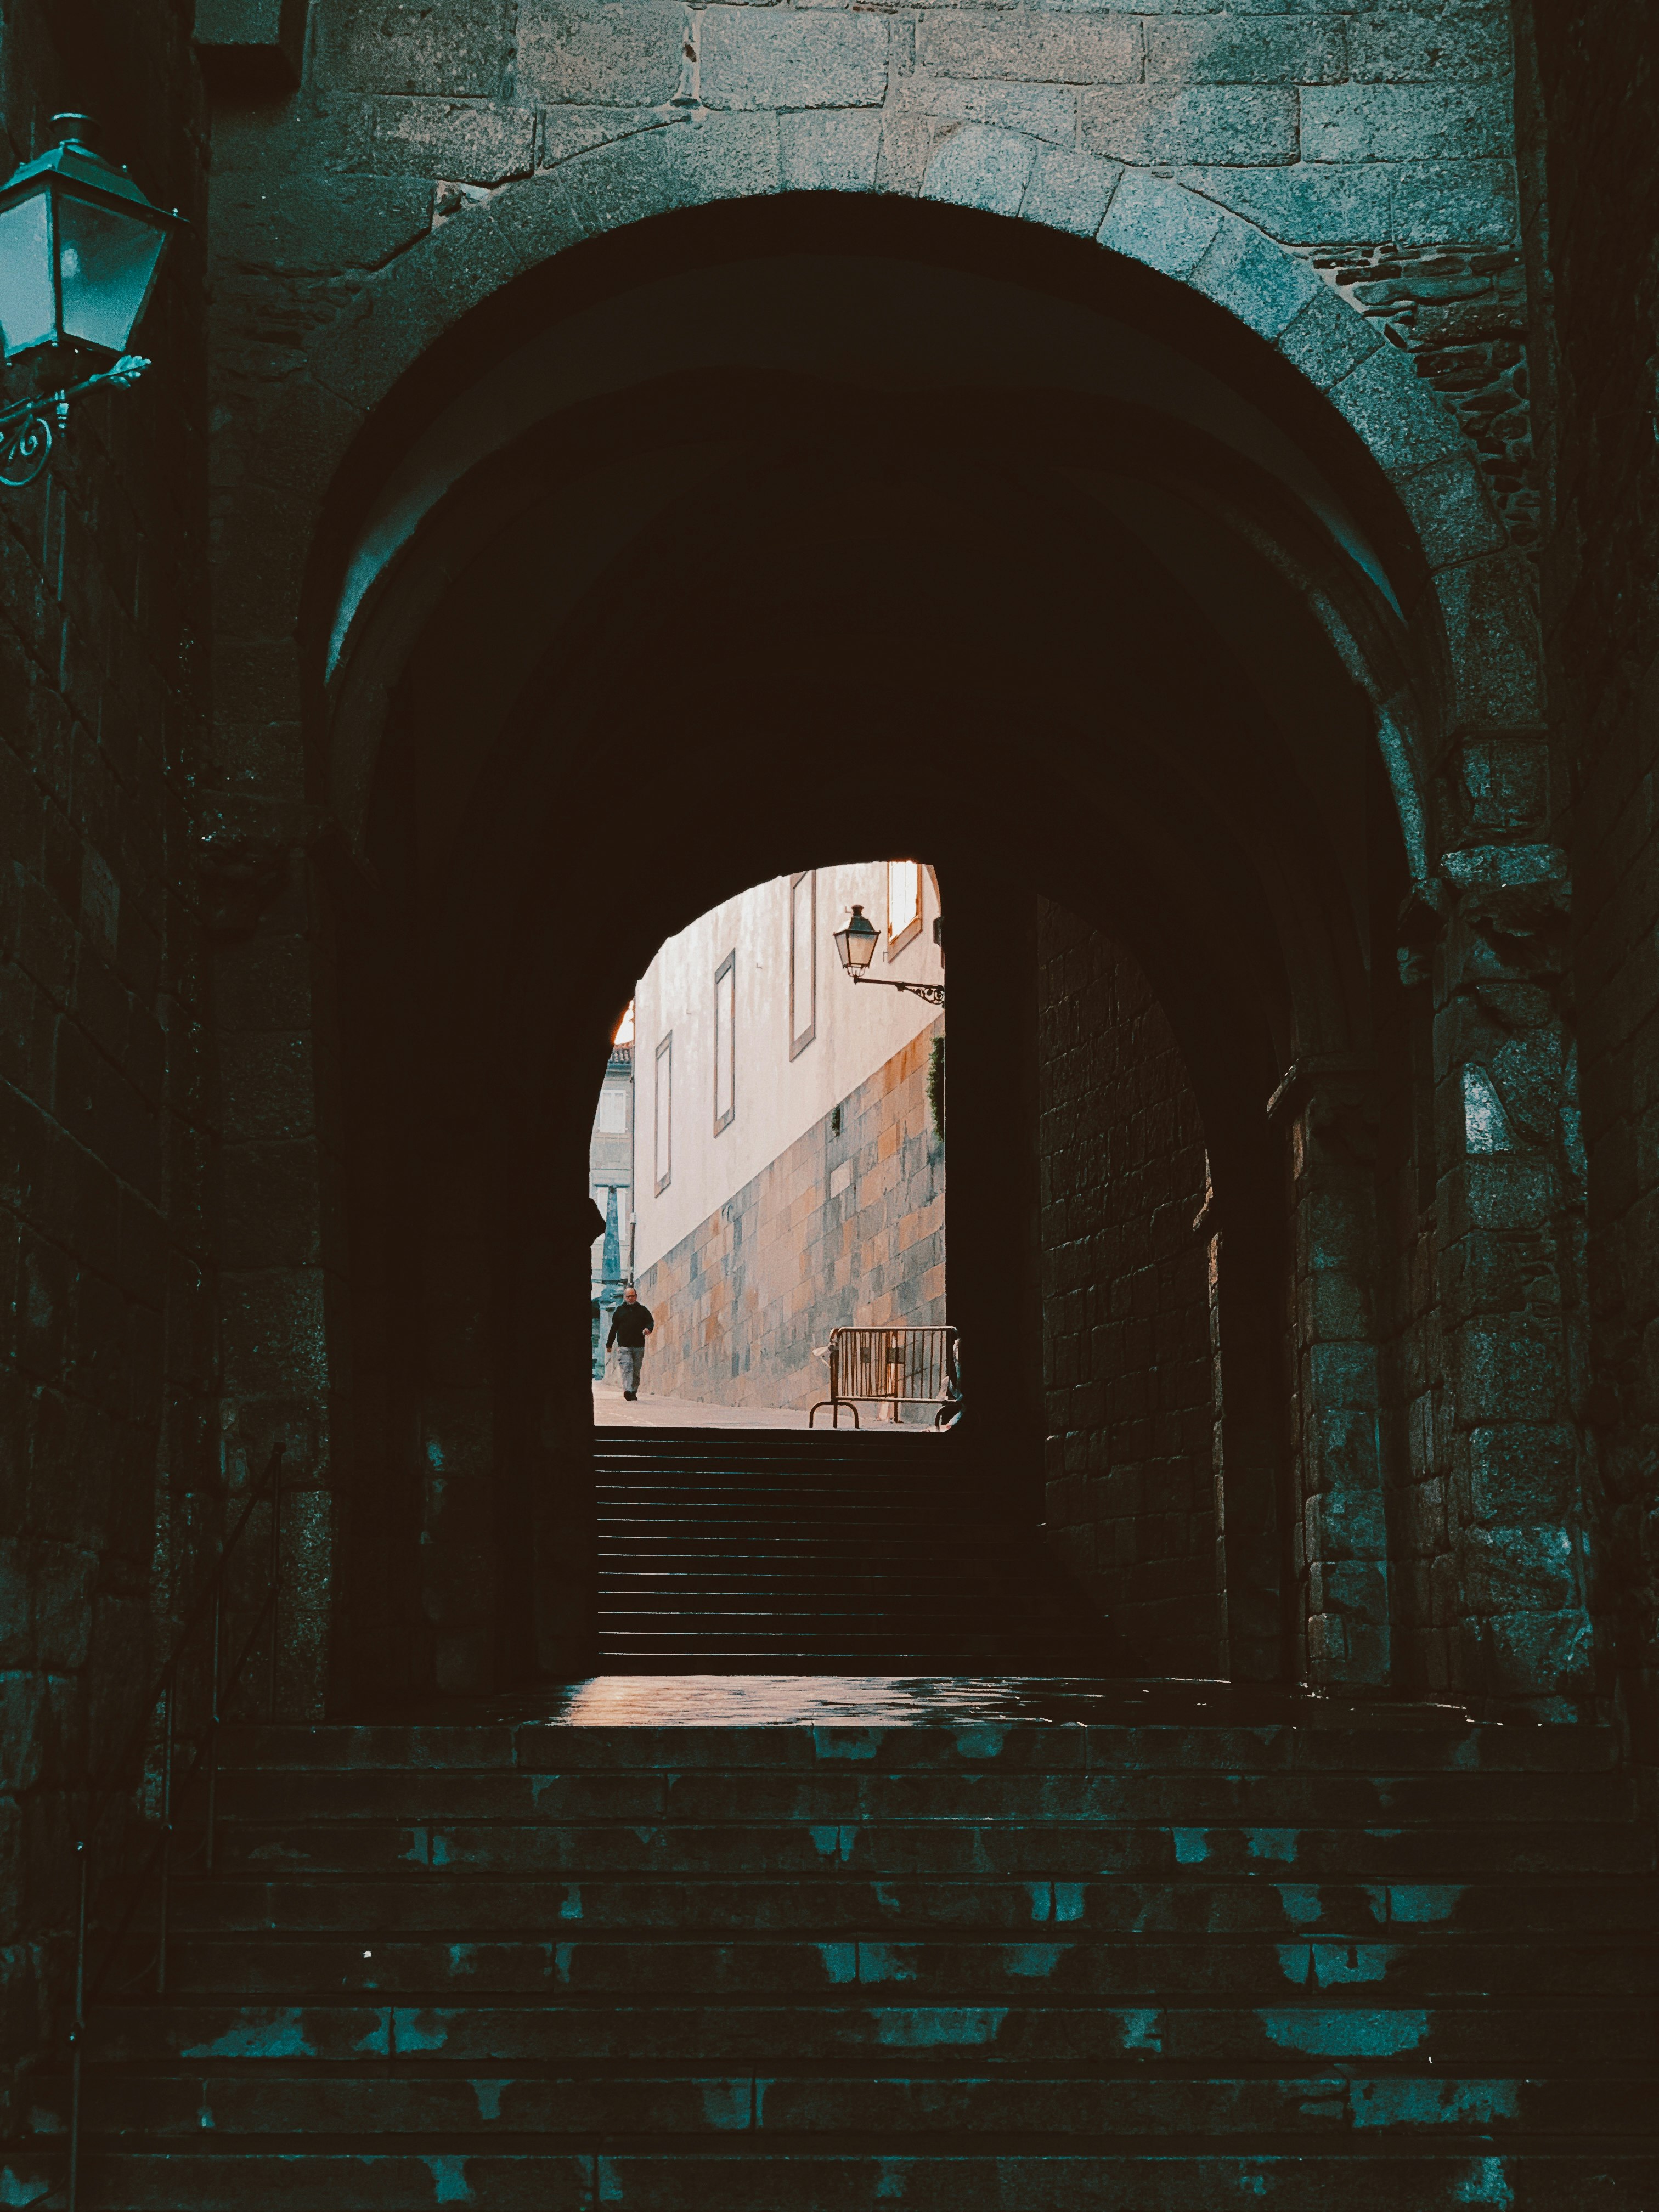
(817, 513)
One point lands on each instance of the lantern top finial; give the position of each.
(77, 161)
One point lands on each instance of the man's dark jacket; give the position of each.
(629, 1325)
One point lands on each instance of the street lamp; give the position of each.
(80, 245)
(856, 944)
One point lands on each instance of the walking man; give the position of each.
(630, 1325)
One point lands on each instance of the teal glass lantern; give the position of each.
(80, 246)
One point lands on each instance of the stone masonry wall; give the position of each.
(109, 1427)
(1598, 227)
(1375, 142)
(1340, 178)
(1125, 1302)
(847, 1225)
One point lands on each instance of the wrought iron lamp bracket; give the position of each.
(30, 428)
(933, 993)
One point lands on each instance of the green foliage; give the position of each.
(936, 1086)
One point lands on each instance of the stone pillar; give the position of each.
(1340, 1551)
(456, 1425)
(993, 1286)
(1246, 1308)
(550, 1564)
(283, 1328)
(1511, 1204)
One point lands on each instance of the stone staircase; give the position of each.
(1151, 1950)
(746, 1550)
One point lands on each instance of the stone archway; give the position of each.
(1434, 633)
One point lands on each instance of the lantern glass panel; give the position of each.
(27, 310)
(105, 262)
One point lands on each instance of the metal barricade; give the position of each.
(891, 1367)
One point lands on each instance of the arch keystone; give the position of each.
(682, 164)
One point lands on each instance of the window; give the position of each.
(903, 903)
(725, 1064)
(803, 961)
(664, 1109)
(613, 1111)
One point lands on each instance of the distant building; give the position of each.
(611, 1179)
(789, 1175)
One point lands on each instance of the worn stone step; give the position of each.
(1524, 2034)
(789, 1490)
(1067, 1851)
(851, 1793)
(887, 1449)
(1405, 1744)
(1060, 1963)
(695, 1579)
(477, 1905)
(1015, 2180)
(763, 1578)
(646, 1652)
(848, 1620)
(590, 2105)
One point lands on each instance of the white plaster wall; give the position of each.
(860, 1027)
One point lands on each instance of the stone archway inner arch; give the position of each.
(1429, 622)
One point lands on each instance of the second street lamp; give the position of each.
(856, 944)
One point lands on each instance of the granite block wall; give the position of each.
(1594, 215)
(109, 1446)
(1125, 1302)
(1378, 142)
(846, 1226)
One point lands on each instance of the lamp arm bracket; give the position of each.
(933, 993)
(29, 428)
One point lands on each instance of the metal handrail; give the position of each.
(210, 1606)
(892, 1366)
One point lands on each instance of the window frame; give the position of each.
(799, 1036)
(601, 1126)
(912, 929)
(726, 973)
(662, 1139)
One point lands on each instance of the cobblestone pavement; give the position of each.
(612, 1411)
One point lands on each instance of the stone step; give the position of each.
(876, 1445)
(477, 1904)
(801, 1569)
(686, 1645)
(1314, 2105)
(1109, 2179)
(1422, 1967)
(1195, 1802)
(746, 1576)
(1065, 1851)
(803, 1534)
(950, 1620)
(1524, 2034)
(1399, 1743)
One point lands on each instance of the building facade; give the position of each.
(796, 1169)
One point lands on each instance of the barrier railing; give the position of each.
(894, 1366)
(199, 1746)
